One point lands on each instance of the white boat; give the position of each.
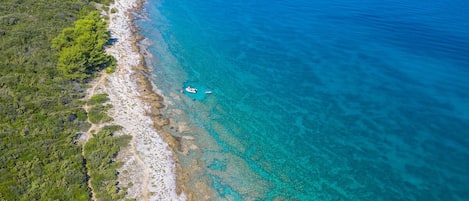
(191, 90)
(208, 92)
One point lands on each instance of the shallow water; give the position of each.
(318, 100)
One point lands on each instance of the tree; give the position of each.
(81, 48)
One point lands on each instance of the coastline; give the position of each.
(141, 70)
(149, 170)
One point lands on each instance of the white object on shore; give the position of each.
(191, 89)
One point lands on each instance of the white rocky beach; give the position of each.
(149, 169)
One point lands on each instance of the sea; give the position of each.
(315, 99)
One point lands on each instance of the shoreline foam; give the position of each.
(149, 166)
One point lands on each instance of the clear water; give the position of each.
(318, 99)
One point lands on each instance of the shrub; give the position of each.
(98, 99)
(97, 114)
(100, 152)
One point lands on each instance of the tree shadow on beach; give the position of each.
(112, 41)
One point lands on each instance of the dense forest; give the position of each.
(49, 49)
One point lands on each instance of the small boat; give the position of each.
(208, 92)
(191, 90)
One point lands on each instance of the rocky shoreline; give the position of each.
(149, 170)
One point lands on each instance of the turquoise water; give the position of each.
(317, 100)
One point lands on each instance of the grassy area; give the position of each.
(97, 114)
(45, 59)
(98, 99)
(97, 109)
(100, 152)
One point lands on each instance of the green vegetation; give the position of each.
(97, 111)
(41, 82)
(97, 114)
(81, 48)
(112, 68)
(100, 152)
(98, 99)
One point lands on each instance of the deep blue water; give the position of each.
(318, 99)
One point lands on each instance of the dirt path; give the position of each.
(93, 128)
(98, 86)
